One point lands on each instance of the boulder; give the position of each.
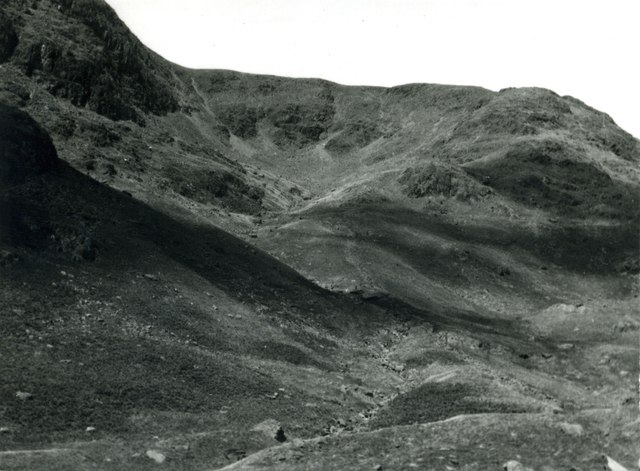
(156, 456)
(513, 465)
(272, 429)
(574, 430)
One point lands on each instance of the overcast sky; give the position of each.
(585, 48)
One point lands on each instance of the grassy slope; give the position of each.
(472, 442)
(172, 329)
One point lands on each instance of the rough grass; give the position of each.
(437, 401)
(354, 136)
(470, 443)
(115, 379)
(109, 344)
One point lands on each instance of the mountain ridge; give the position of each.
(256, 115)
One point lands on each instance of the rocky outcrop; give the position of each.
(441, 180)
(112, 73)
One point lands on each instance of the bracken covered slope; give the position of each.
(192, 258)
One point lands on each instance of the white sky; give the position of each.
(585, 48)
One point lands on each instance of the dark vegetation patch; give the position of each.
(439, 180)
(8, 38)
(26, 153)
(56, 225)
(511, 120)
(548, 175)
(114, 379)
(64, 126)
(287, 353)
(298, 125)
(26, 149)
(30, 214)
(630, 265)
(438, 401)
(600, 130)
(292, 117)
(516, 112)
(221, 81)
(449, 97)
(241, 119)
(616, 140)
(575, 247)
(216, 186)
(295, 191)
(100, 134)
(13, 93)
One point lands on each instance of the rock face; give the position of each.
(112, 73)
(290, 122)
(440, 180)
(25, 148)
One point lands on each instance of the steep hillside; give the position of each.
(121, 323)
(198, 264)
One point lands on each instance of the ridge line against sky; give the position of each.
(583, 48)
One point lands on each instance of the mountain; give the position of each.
(204, 268)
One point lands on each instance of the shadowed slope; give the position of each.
(169, 324)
